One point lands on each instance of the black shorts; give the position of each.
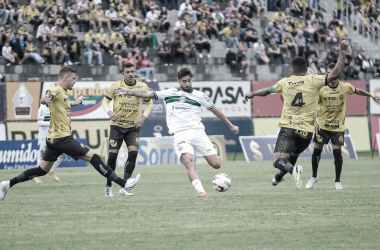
(67, 145)
(324, 136)
(131, 136)
(292, 141)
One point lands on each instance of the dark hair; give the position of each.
(184, 72)
(331, 66)
(128, 65)
(66, 70)
(299, 64)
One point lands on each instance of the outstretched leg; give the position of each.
(187, 160)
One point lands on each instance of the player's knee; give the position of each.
(217, 163)
(187, 159)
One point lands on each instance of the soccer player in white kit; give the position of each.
(183, 107)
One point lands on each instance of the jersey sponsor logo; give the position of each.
(296, 123)
(335, 106)
(128, 104)
(341, 97)
(180, 108)
(332, 121)
(129, 110)
(296, 83)
(113, 143)
(331, 126)
(329, 98)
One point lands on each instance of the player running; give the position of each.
(43, 121)
(332, 100)
(59, 140)
(299, 113)
(183, 106)
(126, 121)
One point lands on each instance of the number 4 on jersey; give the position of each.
(298, 100)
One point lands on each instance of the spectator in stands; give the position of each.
(231, 59)
(251, 35)
(279, 17)
(6, 33)
(312, 55)
(260, 7)
(190, 50)
(74, 50)
(57, 52)
(130, 32)
(356, 18)
(334, 22)
(17, 45)
(61, 13)
(164, 18)
(101, 18)
(359, 58)
(332, 56)
(46, 53)
(121, 56)
(368, 66)
(377, 65)
(122, 14)
(229, 37)
(319, 17)
(228, 15)
(15, 9)
(102, 39)
(113, 16)
(332, 36)
(68, 33)
(321, 66)
(259, 50)
(297, 8)
(203, 11)
(8, 54)
(34, 16)
(152, 19)
(289, 44)
(165, 53)
(341, 31)
(3, 11)
(348, 55)
(187, 6)
(322, 36)
(180, 28)
(242, 59)
(57, 31)
(147, 67)
(87, 18)
(203, 42)
(274, 52)
(289, 16)
(350, 72)
(131, 59)
(301, 42)
(367, 4)
(142, 35)
(92, 49)
(31, 51)
(116, 40)
(88, 37)
(219, 19)
(211, 28)
(22, 30)
(178, 51)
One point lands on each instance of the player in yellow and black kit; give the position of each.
(299, 113)
(126, 121)
(332, 100)
(59, 139)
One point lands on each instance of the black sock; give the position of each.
(105, 170)
(111, 162)
(315, 158)
(338, 163)
(292, 159)
(284, 165)
(130, 164)
(27, 175)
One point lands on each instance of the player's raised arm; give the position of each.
(339, 66)
(46, 99)
(365, 93)
(146, 94)
(260, 92)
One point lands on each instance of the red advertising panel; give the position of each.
(272, 105)
(375, 128)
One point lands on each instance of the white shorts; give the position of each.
(193, 141)
(42, 137)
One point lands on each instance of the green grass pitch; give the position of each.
(165, 213)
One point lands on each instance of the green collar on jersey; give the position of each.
(190, 91)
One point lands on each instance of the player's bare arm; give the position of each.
(339, 67)
(148, 109)
(77, 102)
(260, 92)
(223, 118)
(46, 99)
(139, 93)
(106, 107)
(365, 93)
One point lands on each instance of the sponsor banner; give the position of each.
(272, 105)
(228, 96)
(23, 100)
(23, 154)
(375, 129)
(374, 88)
(261, 148)
(2, 102)
(93, 93)
(357, 127)
(160, 151)
(3, 134)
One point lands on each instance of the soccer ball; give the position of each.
(221, 182)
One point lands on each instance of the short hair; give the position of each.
(128, 65)
(299, 64)
(66, 70)
(184, 72)
(331, 66)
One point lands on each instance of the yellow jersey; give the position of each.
(60, 109)
(99, 13)
(88, 38)
(140, 30)
(227, 32)
(102, 37)
(32, 13)
(127, 108)
(30, 46)
(301, 96)
(341, 32)
(333, 106)
(115, 38)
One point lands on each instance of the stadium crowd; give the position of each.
(127, 30)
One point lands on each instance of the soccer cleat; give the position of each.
(311, 182)
(296, 175)
(201, 194)
(276, 182)
(37, 179)
(131, 182)
(4, 187)
(54, 176)
(109, 192)
(124, 192)
(338, 185)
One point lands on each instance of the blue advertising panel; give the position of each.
(23, 154)
(261, 148)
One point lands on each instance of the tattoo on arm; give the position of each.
(261, 92)
(141, 93)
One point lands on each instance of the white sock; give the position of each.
(198, 186)
(56, 163)
(39, 161)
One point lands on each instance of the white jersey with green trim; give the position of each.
(183, 109)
